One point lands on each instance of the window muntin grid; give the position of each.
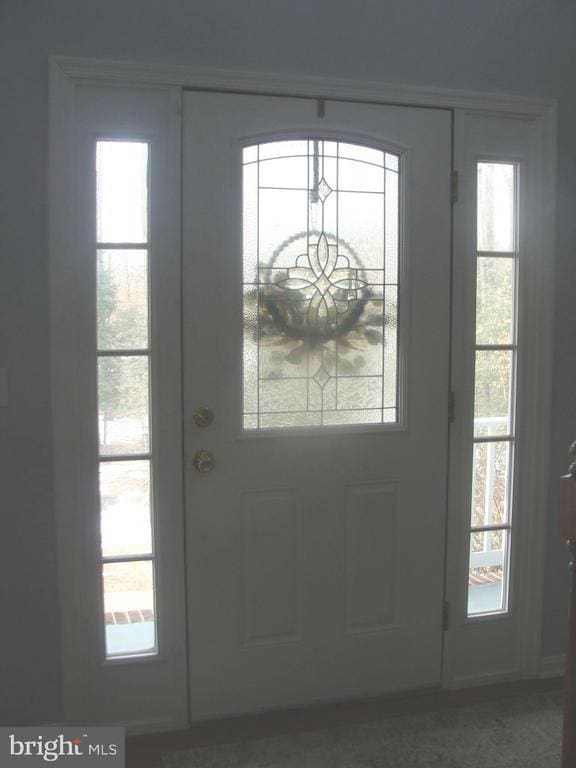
(321, 240)
(494, 388)
(123, 376)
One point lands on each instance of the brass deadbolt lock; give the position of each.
(203, 461)
(203, 417)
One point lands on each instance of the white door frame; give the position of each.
(71, 76)
(295, 523)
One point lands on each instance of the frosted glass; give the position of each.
(281, 214)
(320, 323)
(361, 226)
(283, 395)
(284, 172)
(288, 420)
(250, 219)
(358, 392)
(250, 352)
(335, 418)
(391, 351)
(392, 228)
(359, 176)
(280, 149)
(364, 154)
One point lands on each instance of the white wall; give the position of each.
(512, 46)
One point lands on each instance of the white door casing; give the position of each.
(136, 690)
(151, 693)
(486, 649)
(315, 560)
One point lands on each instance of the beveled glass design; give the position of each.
(320, 251)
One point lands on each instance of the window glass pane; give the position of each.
(123, 405)
(361, 226)
(284, 172)
(285, 420)
(390, 391)
(365, 154)
(490, 490)
(250, 221)
(283, 395)
(320, 286)
(122, 279)
(129, 611)
(364, 416)
(495, 291)
(360, 176)
(496, 206)
(121, 192)
(392, 219)
(280, 219)
(492, 390)
(125, 520)
(276, 149)
(488, 572)
(392, 162)
(359, 392)
(250, 353)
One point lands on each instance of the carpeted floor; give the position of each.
(510, 733)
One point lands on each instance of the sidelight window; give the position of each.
(123, 372)
(494, 388)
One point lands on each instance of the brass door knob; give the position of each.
(203, 461)
(203, 417)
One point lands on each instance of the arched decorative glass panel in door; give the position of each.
(321, 252)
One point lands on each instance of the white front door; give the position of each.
(316, 275)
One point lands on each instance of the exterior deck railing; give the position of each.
(490, 427)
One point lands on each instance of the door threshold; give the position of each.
(145, 751)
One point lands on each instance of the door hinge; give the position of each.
(451, 407)
(454, 186)
(446, 616)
